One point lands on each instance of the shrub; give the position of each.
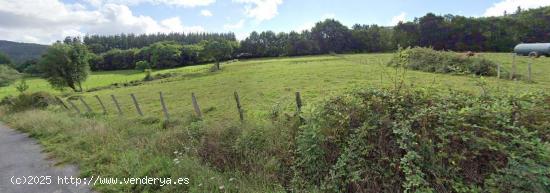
(419, 141)
(7, 75)
(26, 101)
(429, 60)
(142, 65)
(22, 86)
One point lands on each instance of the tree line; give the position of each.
(442, 32)
(102, 43)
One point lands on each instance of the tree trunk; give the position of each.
(72, 86)
(218, 65)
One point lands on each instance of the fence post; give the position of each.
(513, 74)
(62, 103)
(529, 68)
(85, 104)
(136, 104)
(196, 105)
(239, 107)
(298, 103)
(164, 109)
(116, 104)
(498, 70)
(102, 105)
(74, 106)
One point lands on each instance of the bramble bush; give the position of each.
(423, 141)
(27, 101)
(429, 60)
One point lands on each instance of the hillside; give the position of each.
(20, 52)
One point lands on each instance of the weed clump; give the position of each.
(26, 101)
(429, 60)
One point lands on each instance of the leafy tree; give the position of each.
(7, 75)
(66, 65)
(28, 67)
(142, 65)
(115, 59)
(433, 31)
(191, 54)
(332, 36)
(218, 51)
(165, 54)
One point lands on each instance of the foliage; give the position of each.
(115, 60)
(429, 60)
(65, 65)
(7, 75)
(332, 36)
(28, 67)
(192, 54)
(26, 101)
(102, 43)
(422, 141)
(460, 33)
(22, 86)
(142, 65)
(218, 51)
(164, 54)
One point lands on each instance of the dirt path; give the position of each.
(21, 157)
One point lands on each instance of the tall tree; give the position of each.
(65, 65)
(433, 31)
(332, 36)
(218, 51)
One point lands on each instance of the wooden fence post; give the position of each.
(239, 107)
(102, 105)
(196, 105)
(498, 70)
(164, 109)
(62, 103)
(136, 104)
(116, 104)
(74, 106)
(529, 68)
(513, 73)
(298, 103)
(85, 104)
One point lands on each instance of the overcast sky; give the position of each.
(44, 21)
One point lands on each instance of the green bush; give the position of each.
(419, 141)
(7, 75)
(22, 86)
(142, 65)
(429, 60)
(26, 101)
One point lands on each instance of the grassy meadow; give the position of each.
(134, 146)
(265, 83)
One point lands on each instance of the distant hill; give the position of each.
(20, 52)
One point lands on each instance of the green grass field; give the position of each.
(267, 82)
(131, 146)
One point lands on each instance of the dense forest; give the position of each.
(101, 43)
(442, 32)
